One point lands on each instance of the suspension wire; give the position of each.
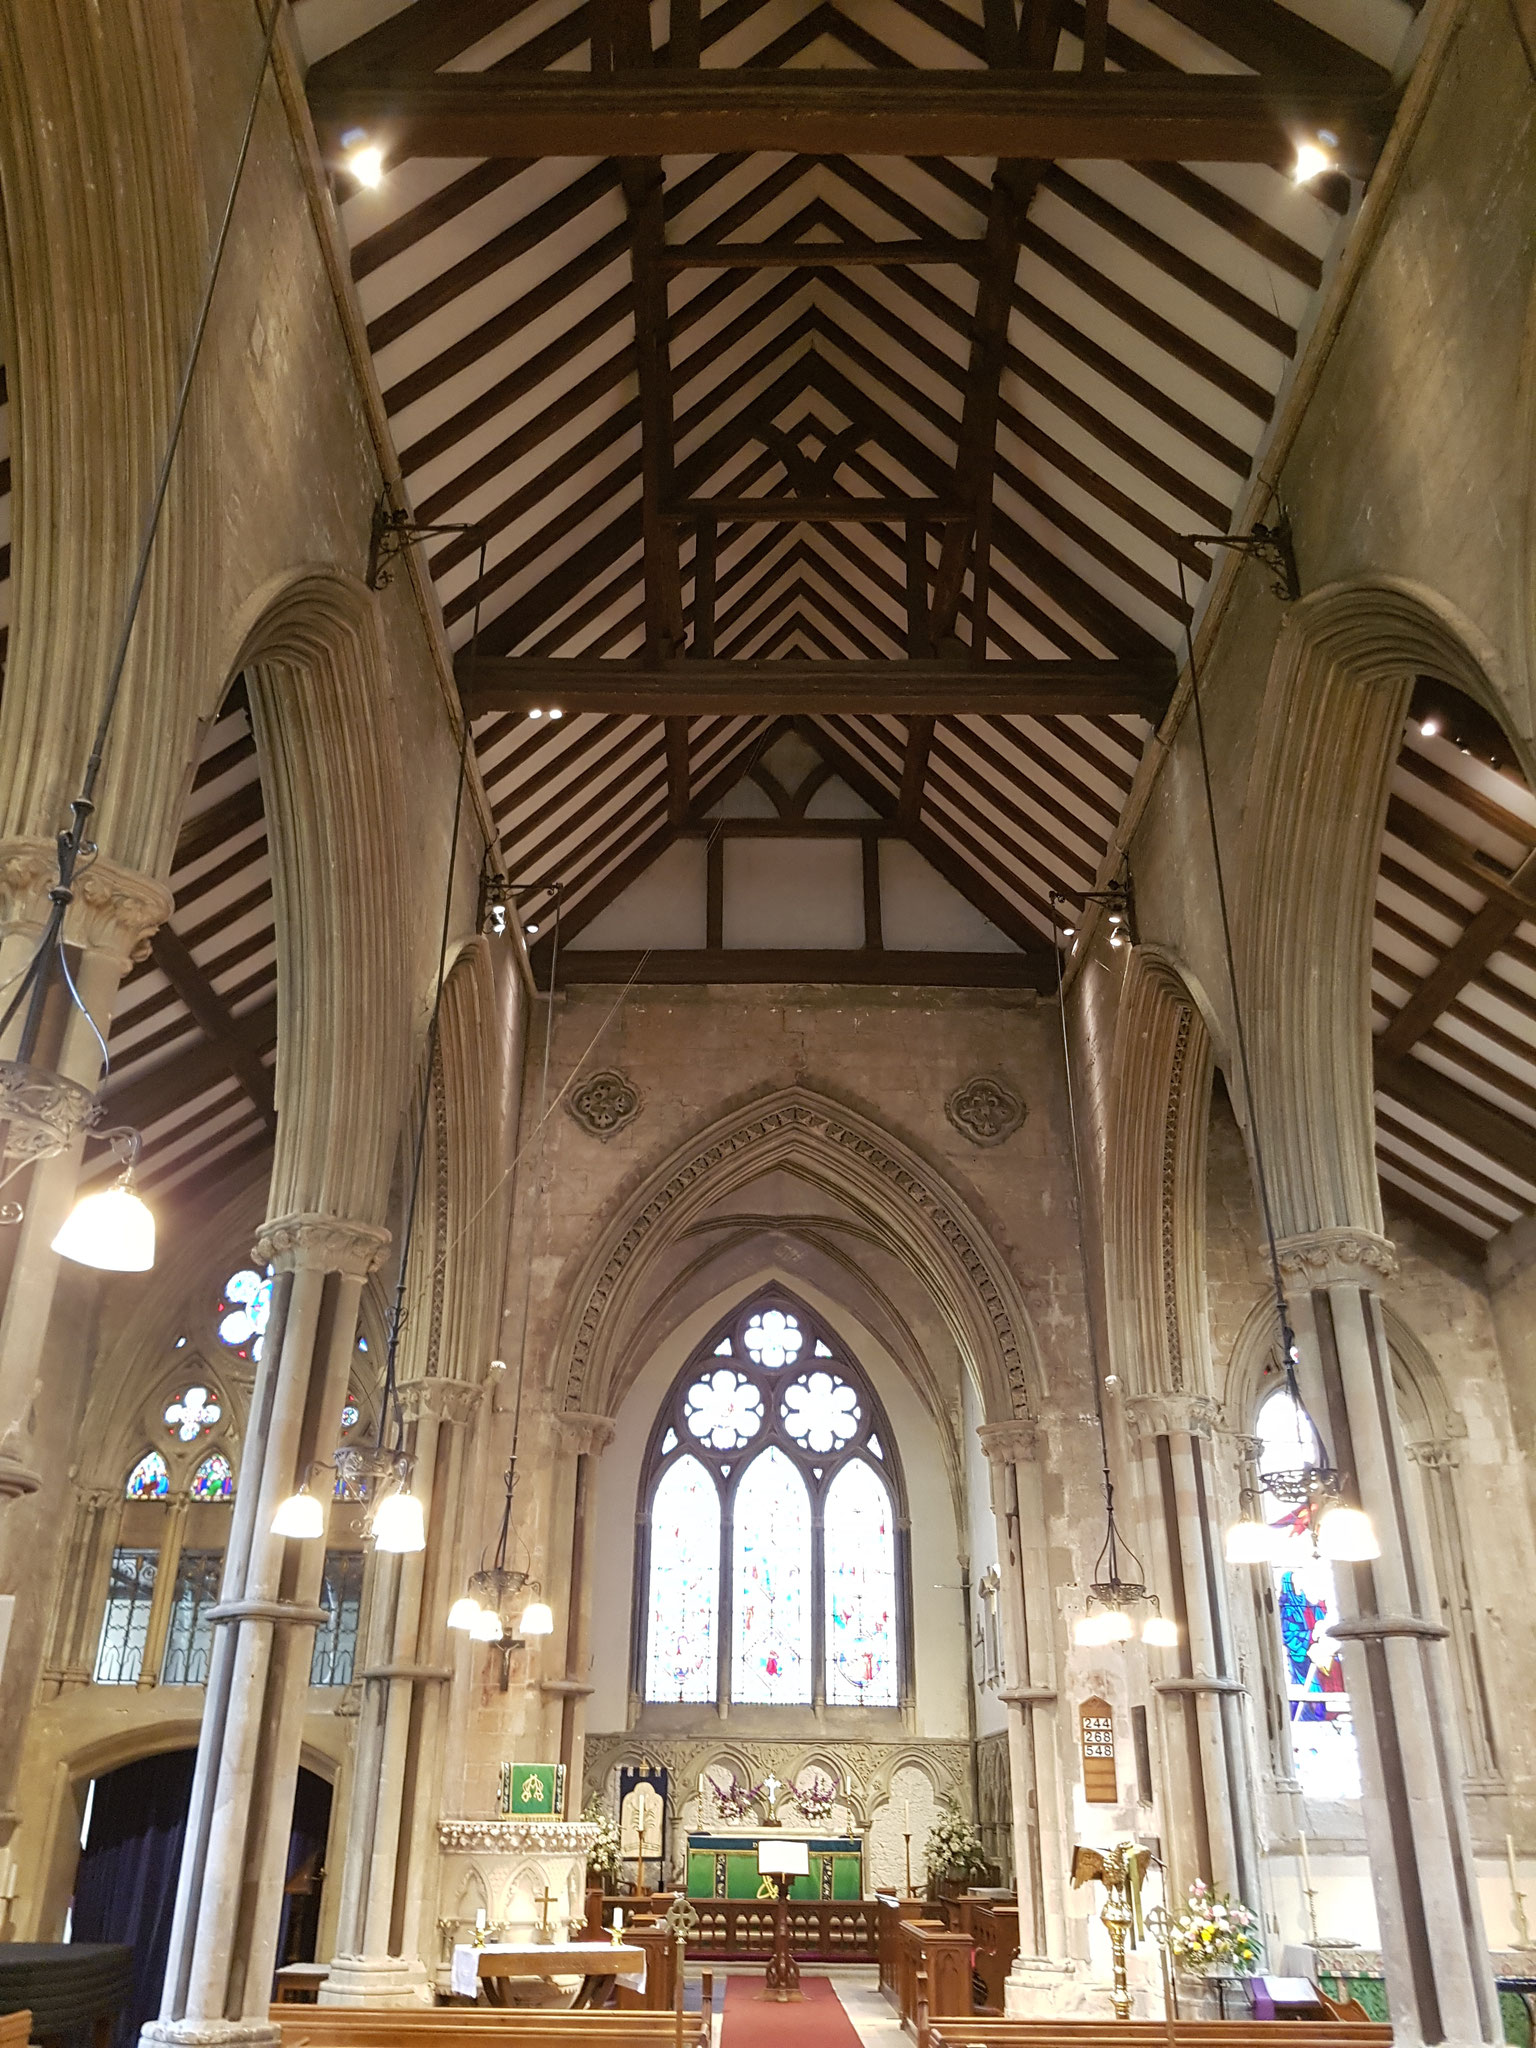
(390, 1397)
(1239, 1030)
(37, 976)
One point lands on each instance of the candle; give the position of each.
(1306, 1867)
(1509, 1857)
(618, 1919)
(848, 1786)
(480, 1920)
(906, 1816)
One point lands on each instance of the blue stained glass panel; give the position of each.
(681, 1657)
(771, 1581)
(150, 1479)
(214, 1479)
(243, 1311)
(861, 1590)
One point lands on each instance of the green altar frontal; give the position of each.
(725, 1867)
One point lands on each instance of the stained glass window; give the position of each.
(149, 1479)
(243, 1309)
(192, 1414)
(771, 1585)
(772, 1339)
(860, 1541)
(723, 1410)
(821, 1412)
(681, 1652)
(349, 1415)
(752, 1462)
(214, 1479)
(1323, 1745)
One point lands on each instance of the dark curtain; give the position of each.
(125, 1887)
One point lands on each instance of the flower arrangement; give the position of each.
(1214, 1932)
(736, 1801)
(603, 1856)
(815, 1799)
(953, 1847)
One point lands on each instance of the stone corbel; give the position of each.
(323, 1244)
(566, 1689)
(1166, 1414)
(284, 1611)
(1178, 1686)
(583, 1434)
(1009, 1443)
(1338, 1257)
(1029, 1696)
(1375, 1628)
(443, 1400)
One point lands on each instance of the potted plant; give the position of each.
(953, 1851)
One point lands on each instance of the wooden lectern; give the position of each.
(782, 1861)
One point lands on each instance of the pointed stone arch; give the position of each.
(1338, 692)
(1163, 1063)
(908, 1207)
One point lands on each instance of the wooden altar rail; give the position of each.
(468, 2026)
(820, 1930)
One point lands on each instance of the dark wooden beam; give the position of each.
(142, 1100)
(1394, 1196)
(911, 688)
(679, 772)
(778, 254)
(816, 511)
(235, 1037)
(1472, 1118)
(1159, 118)
(1492, 927)
(873, 968)
(1448, 850)
(914, 770)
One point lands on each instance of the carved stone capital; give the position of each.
(1435, 1453)
(114, 911)
(1347, 1257)
(1163, 1414)
(579, 1433)
(442, 1399)
(1009, 1443)
(323, 1244)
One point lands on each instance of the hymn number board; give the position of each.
(1096, 1726)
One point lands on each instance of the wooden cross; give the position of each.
(544, 1900)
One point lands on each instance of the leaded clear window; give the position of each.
(125, 1626)
(341, 1595)
(1324, 1750)
(189, 1636)
(770, 1525)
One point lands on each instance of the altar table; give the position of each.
(589, 1960)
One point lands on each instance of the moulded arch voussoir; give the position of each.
(907, 1205)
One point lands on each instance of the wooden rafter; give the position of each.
(870, 968)
(1211, 118)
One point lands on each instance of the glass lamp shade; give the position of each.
(1088, 1633)
(1252, 1543)
(1160, 1632)
(398, 1523)
(1345, 1536)
(538, 1620)
(300, 1515)
(486, 1626)
(463, 1612)
(112, 1231)
(1117, 1625)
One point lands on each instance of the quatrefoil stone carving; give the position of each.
(604, 1103)
(985, 1111)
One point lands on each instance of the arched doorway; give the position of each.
(125, 1885)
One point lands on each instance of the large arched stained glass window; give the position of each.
(771, 1586)
(682, 1656)
(860, 1540)
(1327, 1759)
(771, 1512)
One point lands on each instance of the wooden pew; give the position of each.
(15, 2029)
(1111, 2033)
(994, 1929)
(933, 1974)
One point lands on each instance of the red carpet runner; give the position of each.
(815, 2021)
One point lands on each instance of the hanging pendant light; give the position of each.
(399, 1524)
(113, 1230)
(300, 1516)
(486, 1626)
(462, 1613)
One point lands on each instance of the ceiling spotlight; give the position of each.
(1069, 931)
(364, 159)
(1117, 937)
(1428, 727)
(556, 713)
(1315, 157)
(531, 931)
(535, 714)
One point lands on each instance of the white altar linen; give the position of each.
(549, 1959)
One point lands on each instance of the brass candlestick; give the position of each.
(907, 1839)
